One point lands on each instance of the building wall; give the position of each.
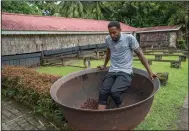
(180, 35)
(158, 39)
(172, 39)
(28, 60)
(18, 44)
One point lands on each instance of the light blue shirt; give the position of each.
(121, 52)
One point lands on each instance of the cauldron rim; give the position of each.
(54, 88)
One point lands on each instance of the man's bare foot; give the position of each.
(121, 105)
(101, 107)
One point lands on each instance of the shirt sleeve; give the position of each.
(133, 43)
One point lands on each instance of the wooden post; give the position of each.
(176, 64)
(63, 62)
(182, 58)
(41, 58)
(97, 55)
(158, 57)
(149, 62)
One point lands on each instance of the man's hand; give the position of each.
(102, 67)
(106, 60)
(152, 76)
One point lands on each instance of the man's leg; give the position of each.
(121, 84)
(105, 90)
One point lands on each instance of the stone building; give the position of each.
(28, 33)
(160, 36)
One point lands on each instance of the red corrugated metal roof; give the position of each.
(11, 21)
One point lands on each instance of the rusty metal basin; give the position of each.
(71, 91)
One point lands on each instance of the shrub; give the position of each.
(182, 44)
(32, 89)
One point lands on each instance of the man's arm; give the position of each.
(134, 45)
(144, 61)
(107, 57)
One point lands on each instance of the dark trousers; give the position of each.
(114, 85)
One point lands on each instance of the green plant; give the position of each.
(182, 44)
(31, 88)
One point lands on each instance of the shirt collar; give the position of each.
(121, 38)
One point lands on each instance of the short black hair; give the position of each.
(114, 23)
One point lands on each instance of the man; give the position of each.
(120, 49)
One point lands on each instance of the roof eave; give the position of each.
(15, 32)
(159, 30)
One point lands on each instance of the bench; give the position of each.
(52, 61)
(165, 52)
(149, 61)
(173, 63)
(61, 60)
(100, 54)
(159, 56)
(163, 49)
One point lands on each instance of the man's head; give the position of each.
(114, 30)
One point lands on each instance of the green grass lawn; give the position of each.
(61, 71)
(167, 102)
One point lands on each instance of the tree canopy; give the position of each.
(134, 13)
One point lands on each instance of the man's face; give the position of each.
(114, 33)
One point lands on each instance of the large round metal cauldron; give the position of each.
(71, 91)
